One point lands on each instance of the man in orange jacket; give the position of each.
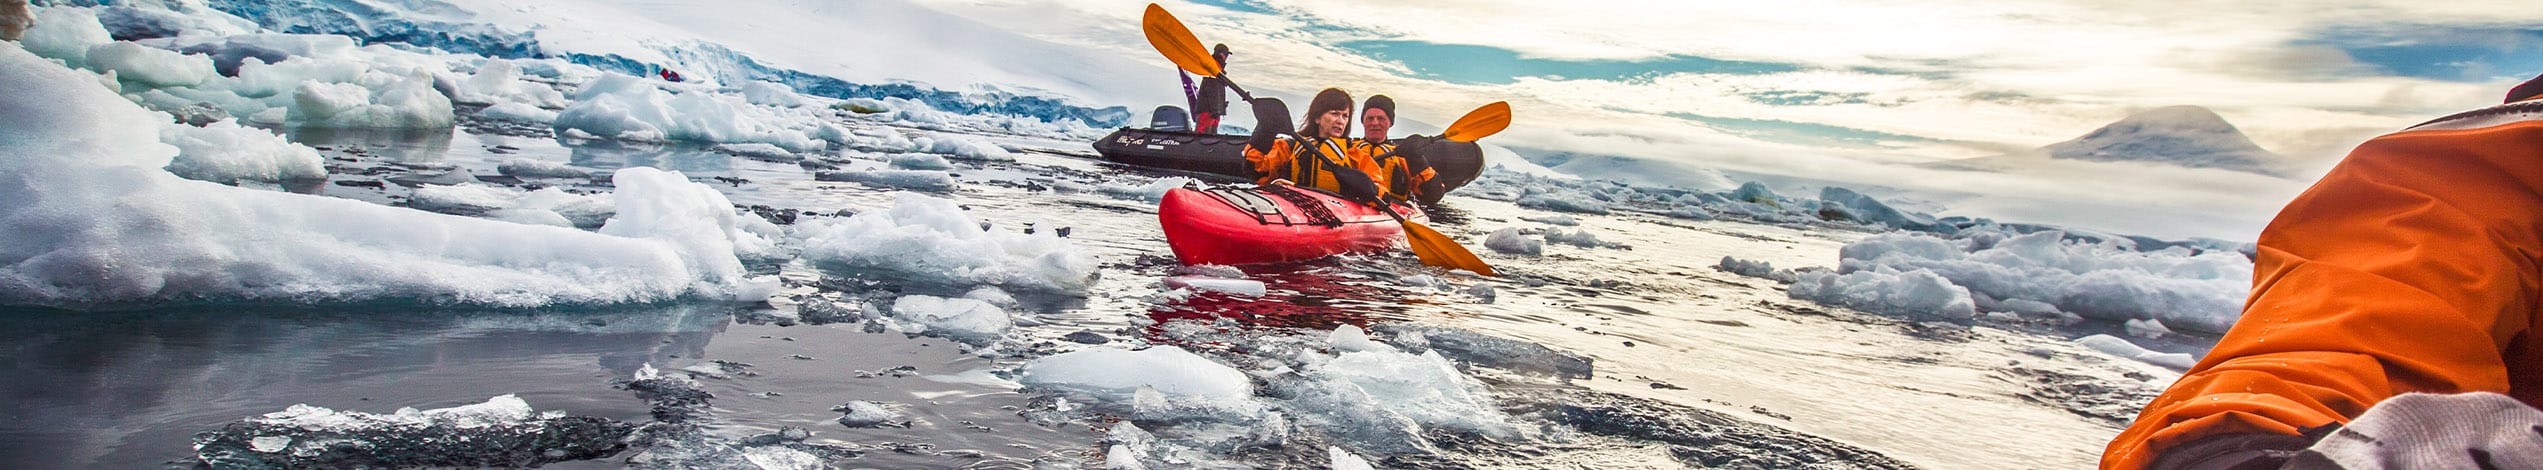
(2415, 267)
(1406, 173)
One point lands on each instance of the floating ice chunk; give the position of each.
(499, 81)
(1381, 400)
(65, 33)
(966, 320)
(224, 152)
(759, 151)
(1564, 201)
(1913, 294)
(1756, 269)
(1489, 351)
(463, 198)
(1861, 208)
(629, 108)
(1210, 270)
(2115, 346)
(138, 64)
(965, 147)
(1339, 459)
(1152, 192)
(1120, 457)
(2147, 328)
(530, 168)
(97, 222)
(920, 161)
(2202, 292)
(931, 240)
(1509, 240)
(1237, 287)
(408, 103)
(1350, 338)
(501, 431)
(1115, 375)
(1563, 220)
(866, 414)
(518, 112)
(1576, 237)
(772, 94)
(917, 180)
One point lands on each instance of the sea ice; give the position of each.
(931, 240)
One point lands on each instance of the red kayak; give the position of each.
(1272, 224)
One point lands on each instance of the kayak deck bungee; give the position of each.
(1269, 224)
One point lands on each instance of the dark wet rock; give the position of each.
(1469, 347)
(674, 398)
(1087, 337)
(1666, 386)
(776, 215)
(1696, 437)
(262, 445)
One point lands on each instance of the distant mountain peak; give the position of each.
(2188, 136)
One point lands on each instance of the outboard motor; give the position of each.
(1170, 118)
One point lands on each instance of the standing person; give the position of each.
(2392, 319)
(1406, 173)
(1321, 156)
(1210, 103)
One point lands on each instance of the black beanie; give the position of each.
(2526, 90)
(1331, 99)
(1381, 103)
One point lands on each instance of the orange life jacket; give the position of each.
(2416, 265)
(1395, 173)
(1311, 163)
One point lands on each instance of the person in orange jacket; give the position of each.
(2415, 267)
(1406, 173)
(1319, 156)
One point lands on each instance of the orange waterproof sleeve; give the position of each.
(2408, 268)
(1269, 164)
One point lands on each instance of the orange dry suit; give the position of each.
(1400, 178)
(1313, 163)
(2416, 265)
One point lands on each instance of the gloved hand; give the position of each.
(2420, 430)
(1271, 120)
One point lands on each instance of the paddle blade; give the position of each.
(1177, 43)
(1436, 249)
(1482, 122)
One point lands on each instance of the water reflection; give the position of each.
(112, 389)
(396, 145)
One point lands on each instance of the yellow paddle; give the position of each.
(1178, 44)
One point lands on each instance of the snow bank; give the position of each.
(930, 240)
(224, 152)
(91, 219)
(2200, 292)
(1117, 376)
(630, 108)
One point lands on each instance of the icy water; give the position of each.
(1667, 334)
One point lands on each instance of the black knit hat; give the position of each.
(2526, 90)
(1331, 99)
(1220, 50)
(1381, 103)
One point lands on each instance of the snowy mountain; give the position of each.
(2183, 136)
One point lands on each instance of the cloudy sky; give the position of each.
(1852, 90)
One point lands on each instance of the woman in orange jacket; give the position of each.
(2415, 266)
(1320, 157)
